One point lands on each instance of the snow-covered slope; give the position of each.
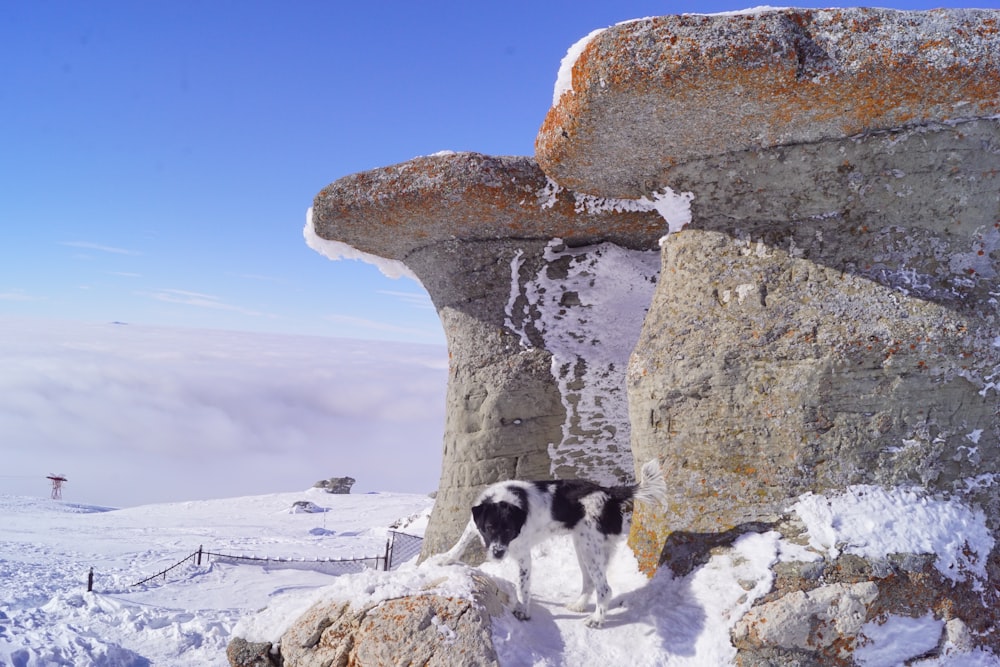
(48, 618)
(47, 549)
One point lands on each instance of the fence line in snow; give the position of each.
(399, 548)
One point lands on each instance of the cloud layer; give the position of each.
(133, 415)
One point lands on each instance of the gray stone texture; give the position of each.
(829, 318)
(242, 653)
(340, 485)
(654, 93)
(812, 620)
(850, 291)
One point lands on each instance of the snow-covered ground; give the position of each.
(47, 549)
(48, 618)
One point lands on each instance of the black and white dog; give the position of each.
(512, 517)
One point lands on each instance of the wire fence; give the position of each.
(399, 548)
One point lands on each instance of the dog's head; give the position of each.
(499, 523)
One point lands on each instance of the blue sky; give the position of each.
(157, 157)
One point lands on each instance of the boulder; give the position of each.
(341, 485)
(828, 321)
(242, 653)
(850, 607)
(306, 507)
(429, 630)
(541, 294)
(812, 621)
(646, 95)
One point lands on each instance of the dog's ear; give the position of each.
(478, 512)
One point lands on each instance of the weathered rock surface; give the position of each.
(242, 653)
(809, 621)
(828, 319)
(393, 211)
(537, 335)
(852, 311)
(426, 630)
(824, 616)
(650, 94)
(340, 485)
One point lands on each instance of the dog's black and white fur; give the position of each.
(512, 517)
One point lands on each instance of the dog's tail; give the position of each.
(652, 487)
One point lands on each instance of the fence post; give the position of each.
(199, 554)
(388, 551)
(90, 581)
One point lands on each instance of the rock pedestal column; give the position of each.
(541, 295)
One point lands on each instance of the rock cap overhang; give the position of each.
(392, 211)
(652, 93)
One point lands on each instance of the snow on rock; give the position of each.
(588, 312)
(896, 639)
(780, 74)
(564, 78)
(873, 522)
(673, 207)
(809, 620)
(363, 590)
(336, 250)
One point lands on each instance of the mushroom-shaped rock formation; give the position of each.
(541, 295)
(645, 95)
(820, 361)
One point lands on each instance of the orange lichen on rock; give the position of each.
(695, 85)
(394, 210)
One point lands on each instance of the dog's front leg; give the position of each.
(522, 609)
(454, 555)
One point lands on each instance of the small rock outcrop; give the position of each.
(306, 507)
(341, 485)
(429, 630)
(650, 94)
(242, 653)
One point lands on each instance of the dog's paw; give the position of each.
(594, 621)
(441, 560)
(579, 605)
(521, 614)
